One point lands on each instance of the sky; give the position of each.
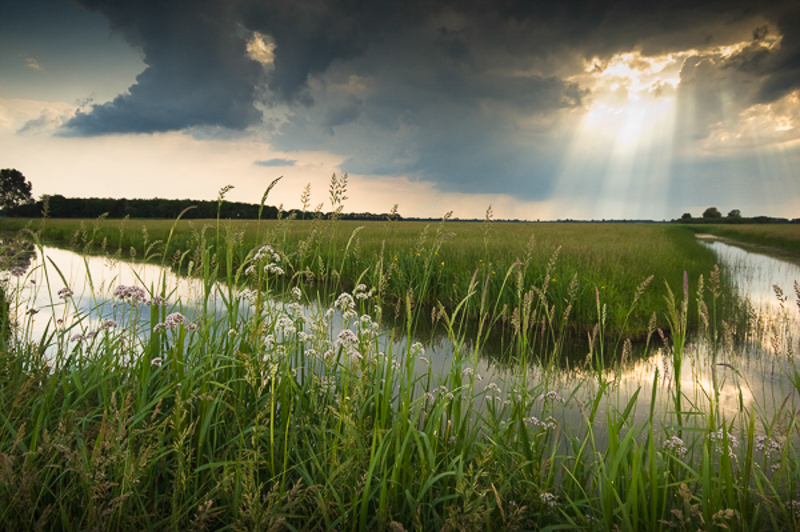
(537, 110)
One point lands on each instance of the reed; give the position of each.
(432, 262)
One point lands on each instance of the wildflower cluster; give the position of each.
(64, 293)
(361, 293)
(286, 325)
(130, 294)
(553, 396)
(771, 448)
(266, 254)
(105, 325)
(718, 439)
(794, 506)
(547, 424)
(347, 305)
(348, 341)
(768, 446)
(470, 372)
(173, 321)
(18, 271)
(549, 500)
(676, 446)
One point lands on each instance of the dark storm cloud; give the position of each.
(198, 72)
(784, 70)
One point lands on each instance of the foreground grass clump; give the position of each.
(430, 263)
(301, 414)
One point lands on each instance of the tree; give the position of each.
(735, 213)
(14, 189)
(712, 212)
(686, 216)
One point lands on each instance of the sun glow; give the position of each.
(647, 116)
(628, 131)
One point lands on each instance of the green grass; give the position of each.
(431, 263)
(240, 422)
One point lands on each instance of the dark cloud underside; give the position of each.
(198, 72)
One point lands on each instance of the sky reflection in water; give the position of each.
(750, 376)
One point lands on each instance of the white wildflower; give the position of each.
(676, 445)
(553, 396)
(344, 302)
(795, 507)
(718, 438)
(274, 268)
(130, 294)
(768, 446)
(549, 500)
(174, 320)
(156, 301)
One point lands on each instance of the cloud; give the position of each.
(47, 122)
(276, 162)
(198, 70)
(33, 63)
(783, 68)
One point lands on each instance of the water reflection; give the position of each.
(731, 380)
(756, 277)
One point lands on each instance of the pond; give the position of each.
(751, 375)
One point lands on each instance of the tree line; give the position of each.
(713, 215)
(58, 206)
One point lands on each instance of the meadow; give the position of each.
(295, 409)
(426, 264)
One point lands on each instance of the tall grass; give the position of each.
(293, 409)
(431, 263)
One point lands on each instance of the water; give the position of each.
(750, 376)
(92, 280)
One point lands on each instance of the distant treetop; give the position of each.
(14, 189)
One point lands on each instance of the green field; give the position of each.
(565, 265)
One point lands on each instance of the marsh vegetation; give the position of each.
(295, 386)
